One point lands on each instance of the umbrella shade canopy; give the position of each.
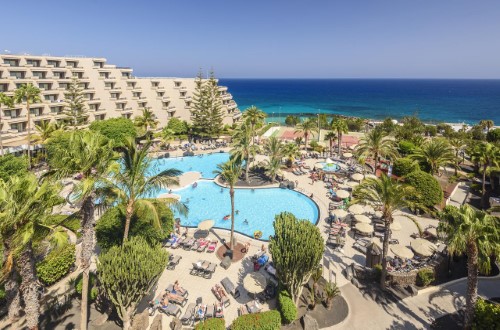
(362, 218)
(357, 176)
(402, 251)
(343, 186)
(318, 166)
(340, 213)
(353, 146)
(377, 214)
(370, 176)
(423, 247)
(171, 196)
(342, 193)
(356, 209)
(206, 225)
(368, 209)
(347, 155)
(431, 231)
(254, 283)
(329, 161)
(352, 184)
(365, 228)
(395, 226)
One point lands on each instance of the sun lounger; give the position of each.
(188, 316)
(170, 309)
(257, 255)
(219, 310)
(221, 295)
(170, 241)
(177, 243)
(199, 267)
(174, 261)
(210, 311)
(359, 247)
(199, 312)
(196, 244)
(253, 307)
(188, 244)
(242, 310)
(202, 246)
(177, 299)
(230, 287)
(170, 288)
(212, 246)
(209, 270)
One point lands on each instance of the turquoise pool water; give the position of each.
(259, 206)
(333, 167)
(205, 164)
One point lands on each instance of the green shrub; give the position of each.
(270, 320)
(92, 285)
(2, 292)
(211, 324)
(493, 135)
(486, 316)
(72, 222)
(11, 165)
(425, 277)
(286, 307)
(406, 147)
(110, 227)
(428, 188)
(377, 269)
(404, 166)
(116, 129)
(56, 264)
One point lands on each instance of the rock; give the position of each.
(156, 324)
(309, 323)
(141, 321)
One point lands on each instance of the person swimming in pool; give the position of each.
(245, 222)
(237, 212)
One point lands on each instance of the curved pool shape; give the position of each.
(259, 206)
(205, 164)
(330, 167)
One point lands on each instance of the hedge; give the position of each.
(404, 166)
(428, 188)
(425, 277)
(56, 265)
(270, 320)
(487, 315)
(406, 147)
(211, 324)
(92, 286)
(287, 307)
(11, 165)
(116, 129)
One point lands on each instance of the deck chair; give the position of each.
(188, 316)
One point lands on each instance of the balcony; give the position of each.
(222, 88)
(18, 119)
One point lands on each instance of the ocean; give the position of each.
(451, 101)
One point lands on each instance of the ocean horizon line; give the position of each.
(320, 78)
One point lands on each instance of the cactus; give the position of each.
(127, 273)
(297, 248)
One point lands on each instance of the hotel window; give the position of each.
(78, 75)
(120, 106)
(98, 64)
(142, 104)
(45, 86)
(39, 74)
(20, 127)
(104, 74)
(4, 87)
(63, 85)
(36, 111)
(51, 97)
(35, 63)
(183, 94)
(178, 83)
(126, 74)
(55, 109)
(72, 64)
(166, 104)
(160, 94)
(115, 95)
(108, 85)
(136, 94)
(155, 84)
(59, 74)
(17, 74)
(94, 107)
(131, 84)
(55, 64)
(89, 96)
(11, 62)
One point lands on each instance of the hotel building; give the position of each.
(110, 91)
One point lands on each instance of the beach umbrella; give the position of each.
(342, 194)
(423, 247)
(402, 251)
(364, 228)
(206, 225)
(368, 209)
(362, 218)
(353, 146)
(352, 184)
(329, 161)
(343, 186)
(340, 213)
(431, 231)
(347, 155)
(377, 214)
(370, 176)
(254, 283)
(396, 225)
(356, 209)
(318, 166)
(170, 196)
(357, 176)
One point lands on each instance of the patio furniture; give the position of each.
(199, 312)
(219, 310)
(207, 273)
(212, 246)
(242, 310)
(174, 261)
(221, 295)
(210, 311)
(230, 287)
(176, 299)
(226, 262)
(170, 309)
(199, 267)
(170, 288)
(253, 307)
(188, 243)
(177, 243)
(188, 316)
(202, 246)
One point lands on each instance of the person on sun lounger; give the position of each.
(178, 288)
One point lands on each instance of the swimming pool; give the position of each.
(259, 206)
(205, 164)
(329, 167)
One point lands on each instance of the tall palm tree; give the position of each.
(242, 146)
(486, 123)
(25, 207)
(137, 181)
(434, 153)
(290, 151)
(476, 234)
(340, 126)
(308, 127)
(330, 137)
(272, 168)
(8, 102)
(388, 196)
(230, 171)
(458, 146)
(254, 117)
(374, 144)
(486, 155)
(29, 94)
(273, 148)
(91, 155)
(45, 131)
(147, 120)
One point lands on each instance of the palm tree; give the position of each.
(45, 131)
(388, 196)
(242, 147)
(308, 127)
(476, 234)
(25, 207)
(374, 144)
(29, 94)
(8, 102)
(435, 153)
(290, 151)
(254, 117)
(458, 145)
(147, 120)
(330, 137)
(230, 171)
(340, 125)
(273, 148)
(136, 182)
(486, 123)
(486, 155)
(91, 155)
(272, 168)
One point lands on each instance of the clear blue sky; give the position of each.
(267, 38)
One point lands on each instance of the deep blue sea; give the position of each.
(452, 101)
